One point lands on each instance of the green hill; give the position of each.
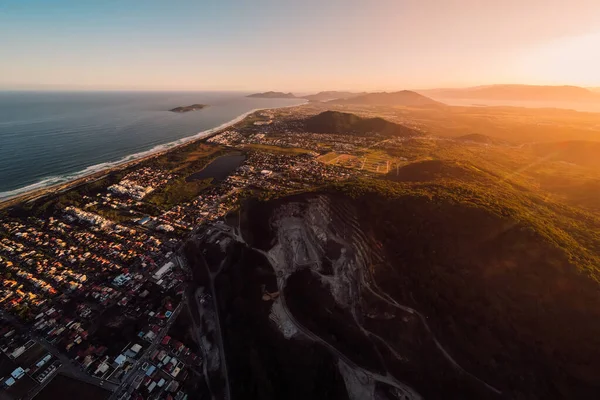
(507, 281)
(433, 170)
(346, 123)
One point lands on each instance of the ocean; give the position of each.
(53, 137)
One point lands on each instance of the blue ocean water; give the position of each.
(51, 137)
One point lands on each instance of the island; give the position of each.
(193, 107)
(273, 95)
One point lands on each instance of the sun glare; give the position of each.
(572, 59)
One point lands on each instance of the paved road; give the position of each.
(74, 370)
(42, 385)
(68, 367)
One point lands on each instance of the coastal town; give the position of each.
(300, 200)
(94, 280)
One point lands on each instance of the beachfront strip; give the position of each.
(92, 285)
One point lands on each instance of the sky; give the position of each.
(294, 45)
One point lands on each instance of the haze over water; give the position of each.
(52, 137)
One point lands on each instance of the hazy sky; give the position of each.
(299, 45)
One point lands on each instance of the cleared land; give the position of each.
(373, 161)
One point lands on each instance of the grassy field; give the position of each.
(373, 161)
(177, 192)
(329, 157)
(379, 162)
(186, 159)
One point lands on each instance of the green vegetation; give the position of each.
(508, 279)
(574, 231)
(431, 170)
(345, 123)
(187, 159)
(193, 107)
(327, 158)
(277, 149)
(585, 153)
(178, 191)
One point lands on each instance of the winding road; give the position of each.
(388, 379)
(423, 319)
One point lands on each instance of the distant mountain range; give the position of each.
(332, 95)
(346, 123)
(401, 98)
(321, 96)
(273, 95)
(433, 97)
(517, 92)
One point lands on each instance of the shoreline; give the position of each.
(99, 171)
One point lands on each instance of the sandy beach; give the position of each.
(127, 162)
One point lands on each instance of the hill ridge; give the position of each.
(347, 123)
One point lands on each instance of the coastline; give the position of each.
(95, 172)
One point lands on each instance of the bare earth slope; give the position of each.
(439, 288)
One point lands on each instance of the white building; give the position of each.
(163, 270)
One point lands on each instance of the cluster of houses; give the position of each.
(275, 172)
(68, 255)
(24, 363)
(59, 275)
(141, 182)
(165, 371)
